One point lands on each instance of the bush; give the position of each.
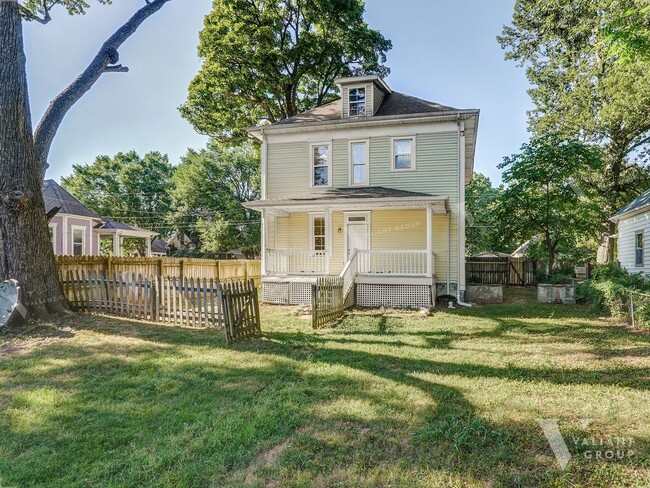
(607, 291)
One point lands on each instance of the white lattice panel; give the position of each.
(300, 294)
(396, 296)
(277, 293)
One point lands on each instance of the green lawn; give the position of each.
(385, 398)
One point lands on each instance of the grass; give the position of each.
(384, 398)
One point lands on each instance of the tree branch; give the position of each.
(31, 16)
(104, 62)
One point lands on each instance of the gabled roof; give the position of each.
(56, 196)
(394, 104)
(159, 246)
(638, 203)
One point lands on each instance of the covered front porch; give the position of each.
(398, 240)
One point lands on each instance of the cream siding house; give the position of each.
(634, 233)
(370, 187)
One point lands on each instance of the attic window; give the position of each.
(357, 101)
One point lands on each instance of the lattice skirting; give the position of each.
(287, 293)
(398, 296)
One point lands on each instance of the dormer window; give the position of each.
(357, 101)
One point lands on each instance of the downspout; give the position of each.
(461, 212)
(448, 251)
(262, 214)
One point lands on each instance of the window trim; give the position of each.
(392, 154)
(54, 226)
(351, 164)
(312, 237)
(638, 264)
(329, 164)
(84, 249)
(366, 88)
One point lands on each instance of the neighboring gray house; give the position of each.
(76, 230)
(633, 229)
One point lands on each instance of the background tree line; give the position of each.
(588, 63)
(198, 201)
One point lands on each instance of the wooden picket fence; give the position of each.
(328, 303)
(508, 271)
(179, 268)
(167, 300)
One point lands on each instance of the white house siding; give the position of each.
(627, 229)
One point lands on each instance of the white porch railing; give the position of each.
(403, 263)
(349, 273)
(297, 261)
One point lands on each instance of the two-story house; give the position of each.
(370, 187)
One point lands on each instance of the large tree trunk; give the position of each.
(25, 250)
(605, 252)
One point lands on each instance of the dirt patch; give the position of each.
(27, 337)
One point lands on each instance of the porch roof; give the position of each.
(357, 198)
(109, 227)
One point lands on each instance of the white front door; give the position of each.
(357, 237)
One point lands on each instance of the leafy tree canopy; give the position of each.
(544, 195)
(208, 189)
(581, 90)
(266, 60)
(484, 232)
(127, 188)
(628, 33)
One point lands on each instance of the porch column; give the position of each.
(147, 245)
(116, 245)
(264, 241)
(429, 241)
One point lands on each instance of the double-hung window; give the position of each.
(78, 241)
(320, 157)
(638, 249)
(357, 101)
(318, 231)
(359, 163)
(53, 236)
(403, 154)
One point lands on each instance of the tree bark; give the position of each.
(25, 250)
(26, 253)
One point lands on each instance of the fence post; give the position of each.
(161, 267)
(632, 309)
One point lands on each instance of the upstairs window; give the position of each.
(403, 154)
(78, 241)
(359, 163)
(320, 155)
(638, 249)
(357, 101)
(53, 236)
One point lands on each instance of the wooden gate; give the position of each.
(328, 303)
(507, 271)
(241, 310)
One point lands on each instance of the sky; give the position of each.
(443, 50)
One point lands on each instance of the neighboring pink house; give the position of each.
(76, 230)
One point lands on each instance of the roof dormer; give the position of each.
(361, 96)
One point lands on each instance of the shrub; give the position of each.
(608, 289)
